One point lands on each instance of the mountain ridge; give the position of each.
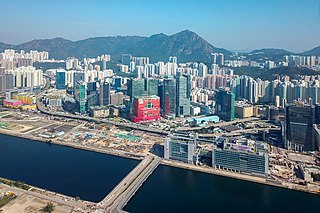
(186, 45)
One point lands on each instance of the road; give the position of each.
(217, 124)
(122, 193)
(233, 133)
(42, 109)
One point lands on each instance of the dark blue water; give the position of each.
(73, 172)
(92, 175)
(171, 189)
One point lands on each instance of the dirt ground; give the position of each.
(29, 204)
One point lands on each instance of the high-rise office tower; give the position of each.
(225, 105)
(299, 127)
(142, 87)
(105, 94)
(168, 97)
(81, 96)
(183, 96)
(61, 80)
(77, 76)
(2, 80)
(10, 81)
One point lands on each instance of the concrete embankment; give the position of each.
(255, 179)
(239, 176)
(73, 145)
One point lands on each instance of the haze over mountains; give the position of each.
(186, 45)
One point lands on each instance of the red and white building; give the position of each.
(146, 109)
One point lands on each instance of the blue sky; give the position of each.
(232, 24)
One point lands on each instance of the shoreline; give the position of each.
(176, 164)
(54, 141)
(232, 175)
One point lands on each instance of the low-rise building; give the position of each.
(308, 170)
(246, 156)
(181, 147)
(53, 101)
(202, 121)
(12, 103)
(99, 111)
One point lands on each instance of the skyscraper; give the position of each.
(225, 105)
(299, 127)
(77, 76)
(183, 96)
(2, 80)
(105, 94)
(168, 97)
(81, 96)
(142, 87)
(61, 80)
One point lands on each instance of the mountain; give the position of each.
(314, 51)
(270, 74)
(4, 46)
(267, 54)
(186, 45)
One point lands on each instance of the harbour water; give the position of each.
(171, 189)
(69, 171)
(91, 176)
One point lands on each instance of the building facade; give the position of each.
(61, 80)
(299, 120)
(146, 109)
(183, 96)
(225, 105)
(244, 156)
(81, 96)
(180, 147)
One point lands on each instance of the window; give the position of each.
(149, 105)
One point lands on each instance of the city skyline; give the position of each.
(256, 24)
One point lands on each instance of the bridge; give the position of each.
(122, 193)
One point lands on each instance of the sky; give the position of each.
(238, 25)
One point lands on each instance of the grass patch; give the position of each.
(4, 200)
(15, 183)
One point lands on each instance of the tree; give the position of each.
(48, 208)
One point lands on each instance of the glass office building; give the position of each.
(183, 96)
(81, 96)
(299, 127)
(61, 80)
(225, 105)
(142, 87)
